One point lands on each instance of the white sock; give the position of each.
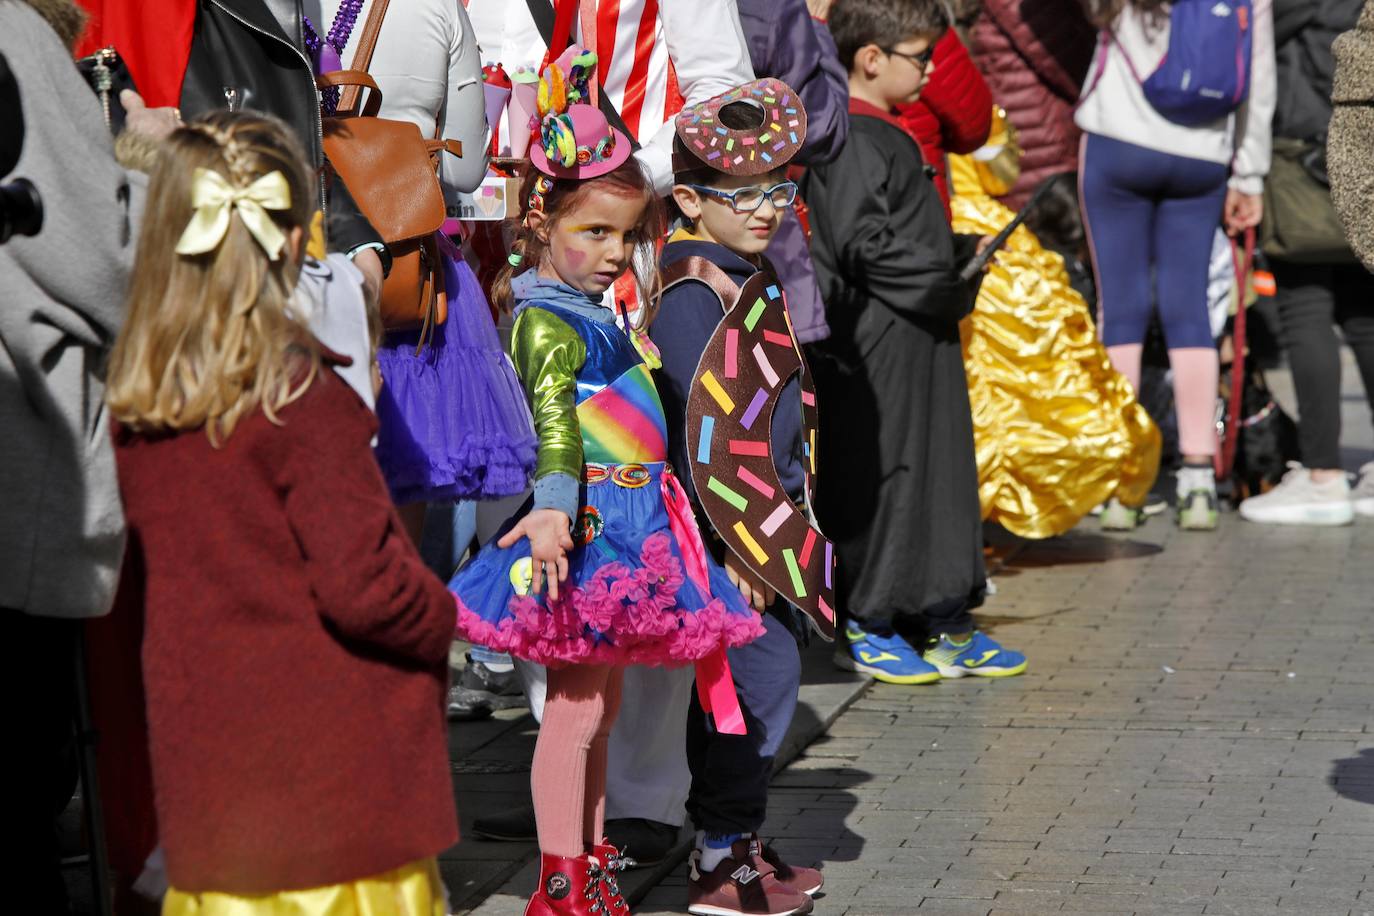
(713, 853)
(1195, 478)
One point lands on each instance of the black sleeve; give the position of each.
(889, 239)
(347, 227)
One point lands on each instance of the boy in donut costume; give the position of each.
(734, 388)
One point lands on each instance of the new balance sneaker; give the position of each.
(1197, 498)
(1300, 500)
(743, 884)
(885, 656)
(1362, 497)
(808, 881)
(979, 655)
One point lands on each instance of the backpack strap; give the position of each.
(700, 270)
(362, 58)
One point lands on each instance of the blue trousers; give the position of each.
(730, 773)
(1151, 218)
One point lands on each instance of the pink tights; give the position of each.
(569, 773)
(1195, 391)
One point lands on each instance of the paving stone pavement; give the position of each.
(1193, 736)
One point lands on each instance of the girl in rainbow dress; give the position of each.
(606, 568)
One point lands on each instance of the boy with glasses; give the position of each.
(900, 492)
(731, 190)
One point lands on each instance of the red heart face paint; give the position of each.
(591, 247)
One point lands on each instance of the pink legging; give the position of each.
(569, 773)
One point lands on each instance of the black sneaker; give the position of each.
(479, 692)
(642, 842)
(514, 826)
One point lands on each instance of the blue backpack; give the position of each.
(1205, 74)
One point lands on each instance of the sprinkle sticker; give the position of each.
(774, 521)
(717, 392)
(755, 408)
(765, 366)
(749, 542)
(753, 480)
(727, 494)
(798, 586)
(708, 431)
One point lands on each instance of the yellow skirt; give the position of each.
(411, 890)
(1057, 430)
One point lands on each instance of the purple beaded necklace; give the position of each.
(327, 53)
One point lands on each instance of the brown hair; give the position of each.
(628, 180)
(1102, 13)
(855, 24)
(211, 337)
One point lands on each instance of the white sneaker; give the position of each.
(1299, 500)
(1197, 499)
(1362, 498)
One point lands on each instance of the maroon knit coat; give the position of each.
(954, 113)
(294, 652)
(1035, 56)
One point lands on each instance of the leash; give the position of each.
(1243, 260)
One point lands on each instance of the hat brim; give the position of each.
(619, 156)
(769, 146)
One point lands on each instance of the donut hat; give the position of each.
(775, 130)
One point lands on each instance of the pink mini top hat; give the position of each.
(750, 130)
(575, 140)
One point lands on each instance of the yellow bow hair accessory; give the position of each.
(214, 198)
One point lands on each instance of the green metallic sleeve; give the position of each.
(547, 354)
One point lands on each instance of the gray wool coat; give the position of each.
(1350, 143)
(61, 303)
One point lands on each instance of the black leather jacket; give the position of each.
(254, 48)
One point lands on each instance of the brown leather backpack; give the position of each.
(392, 171)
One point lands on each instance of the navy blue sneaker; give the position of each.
(979, 655)
(887, 657)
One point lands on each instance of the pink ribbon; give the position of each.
(715, 684)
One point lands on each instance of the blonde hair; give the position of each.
(628, 180)
(209, 338)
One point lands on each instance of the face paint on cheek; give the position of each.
(575, 258)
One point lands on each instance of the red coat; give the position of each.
(294, 654)
(954, 113)
(152, 36)
(1035, 57)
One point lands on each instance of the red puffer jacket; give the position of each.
(1035, 57)
(954, 113)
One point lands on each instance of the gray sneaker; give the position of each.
(1362, 497)
(1299, 500)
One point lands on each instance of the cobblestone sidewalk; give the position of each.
(1193, 736)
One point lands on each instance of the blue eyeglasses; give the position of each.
(747, 200)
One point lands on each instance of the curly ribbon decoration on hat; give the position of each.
(557, 91)
(215, 200)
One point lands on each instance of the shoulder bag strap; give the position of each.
(362, 58)
(700, 270)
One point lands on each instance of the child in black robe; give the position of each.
(900, 493)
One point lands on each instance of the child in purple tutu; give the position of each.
(609, 531)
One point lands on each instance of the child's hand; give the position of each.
(757, 592)
(550, 541)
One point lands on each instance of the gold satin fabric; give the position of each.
(1057, 430)
(411, 890)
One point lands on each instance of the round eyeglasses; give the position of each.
(747, 200)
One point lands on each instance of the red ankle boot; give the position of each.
(567, 887)
(612, 864)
